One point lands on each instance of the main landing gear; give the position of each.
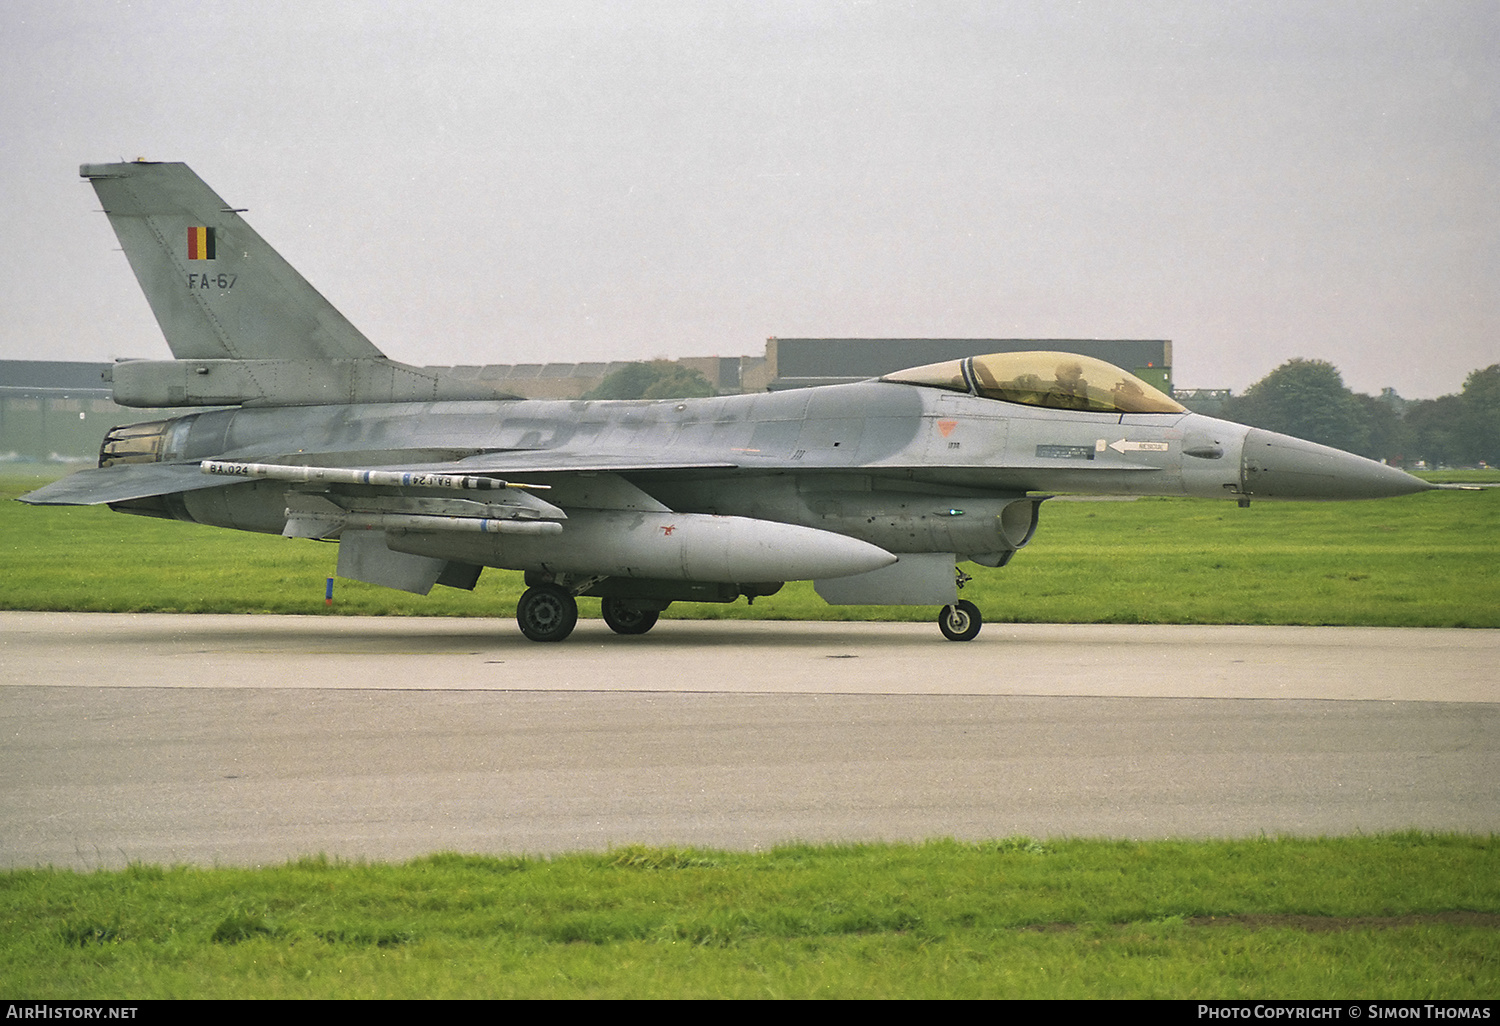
(549, 612)
(625, 617)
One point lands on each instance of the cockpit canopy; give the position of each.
(1058, 381)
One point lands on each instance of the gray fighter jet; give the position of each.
(875, 491)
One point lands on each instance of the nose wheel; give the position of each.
(547, 612)
(960, 621)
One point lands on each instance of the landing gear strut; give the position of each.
(625, 617)
(961, 621)
(547, 612)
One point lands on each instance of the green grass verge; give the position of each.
(1423, 560)
(1486, 476)
(1015, 918)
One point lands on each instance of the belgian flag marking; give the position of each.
(200, 243)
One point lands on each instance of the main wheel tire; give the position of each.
(960, 622)
(625, 618)
(547, 613)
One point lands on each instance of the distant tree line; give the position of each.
(659, 379)
(1308, 399)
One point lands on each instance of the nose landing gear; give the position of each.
(960, 621)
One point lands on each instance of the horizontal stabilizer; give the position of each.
(123, 482)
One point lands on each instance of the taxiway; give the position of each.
(248, 740)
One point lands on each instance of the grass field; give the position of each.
(1407, 916)
(1425, 560)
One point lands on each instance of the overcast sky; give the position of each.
(554, 181)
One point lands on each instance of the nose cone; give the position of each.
(1282, 467)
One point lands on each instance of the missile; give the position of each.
(342, 475)
(660, 546)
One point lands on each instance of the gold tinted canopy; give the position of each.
(1058, 381)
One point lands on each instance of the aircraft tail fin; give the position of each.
(218, 290)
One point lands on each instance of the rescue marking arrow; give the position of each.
(1127, 446)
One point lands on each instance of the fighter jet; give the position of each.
(875, 491)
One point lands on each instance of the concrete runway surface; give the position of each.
(253, 739)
